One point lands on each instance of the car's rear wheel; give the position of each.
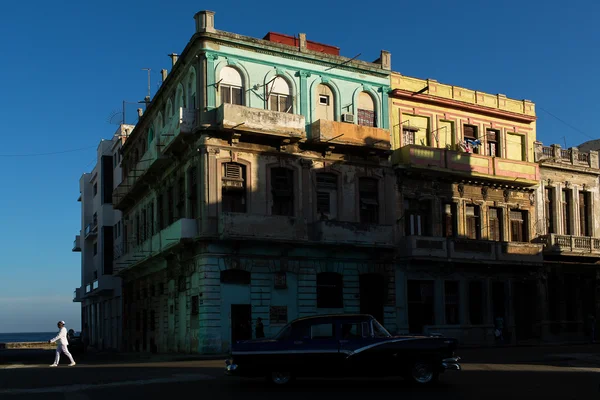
(280, 378)
(423, 373)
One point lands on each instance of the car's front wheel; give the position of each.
(280, 378)
(423, 373)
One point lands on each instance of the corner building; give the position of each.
(257, 183)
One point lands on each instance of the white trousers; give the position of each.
(61, 348)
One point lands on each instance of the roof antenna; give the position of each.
(147, 99)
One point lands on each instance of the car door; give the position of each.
(359, 347)
(315, 349)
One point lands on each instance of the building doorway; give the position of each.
(420, 305)
(525, 303)
(372, 295)
(241, 322)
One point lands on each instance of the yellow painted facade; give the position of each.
(437, 114)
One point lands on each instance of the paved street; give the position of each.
(514, 373)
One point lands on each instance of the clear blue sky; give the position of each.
(66, 66)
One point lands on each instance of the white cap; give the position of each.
(62, 322)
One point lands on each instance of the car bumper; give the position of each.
(451, 364)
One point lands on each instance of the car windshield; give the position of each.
(284, 333)
(379, 330)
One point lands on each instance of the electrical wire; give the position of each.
(566, 123)
(48, 154)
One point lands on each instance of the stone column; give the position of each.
(211, 80)
(305, 99)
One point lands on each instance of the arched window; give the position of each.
(191, 91)
(179, 100)
(325, 103)
(150, 136)
(278, 92)
(159, 122)
(330, 290)
(136, 157)
(231, 86)
(366, 110)
(169, 111)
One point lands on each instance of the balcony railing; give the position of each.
(91, 229)
(76, 243)
(182, 230)
(263, 227)
(547, 151)
(259, 121)
(468, 249)
(576, 245)
(337, 232)
(468, 164)
(77, 295)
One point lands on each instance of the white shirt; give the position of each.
(61, 338)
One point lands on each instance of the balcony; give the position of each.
(429, 247)
(333, 132)
(259, 121)
(261, 227)
(180, 126)
(571, 157)
(91, 229)
(152, 162)
(76, 243)
(468, 164)
(77, 295)
(184, 229)
(424, 246)
(572, 245)
(336, 232)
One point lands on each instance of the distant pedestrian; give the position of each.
(260, 328)
(61, 344)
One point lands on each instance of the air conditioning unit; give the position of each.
(348, 118)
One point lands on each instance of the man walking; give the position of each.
(61, 344)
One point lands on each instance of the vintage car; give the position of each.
(344, 345)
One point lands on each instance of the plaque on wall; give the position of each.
(278, 315)
(280, 280)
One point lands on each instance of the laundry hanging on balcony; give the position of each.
(469, 145)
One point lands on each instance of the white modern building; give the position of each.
(101, 230)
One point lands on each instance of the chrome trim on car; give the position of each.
(359, 350)
(240, 353)
(451, 364)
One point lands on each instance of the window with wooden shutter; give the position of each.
(327, 195)
(369, 200)
(330, 290)
(584, 214)
(493, 140)
(448, 219)
(549, 210)
(408, 136)
(473, 223)
(518, 226)
(495, 223)
(282, 191)
(233, 187)
(566, 211)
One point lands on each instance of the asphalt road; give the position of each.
(506, 378)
